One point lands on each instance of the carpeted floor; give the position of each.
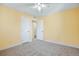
(40, 48)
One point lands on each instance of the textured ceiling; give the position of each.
(51, 7)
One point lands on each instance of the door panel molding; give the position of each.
(26, 29)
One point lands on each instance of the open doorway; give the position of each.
(38, 26)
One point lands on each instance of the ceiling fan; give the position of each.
(39, 6)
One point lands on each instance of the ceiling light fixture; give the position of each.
(39, 6)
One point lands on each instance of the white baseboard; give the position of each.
(13, 45)
(61, 43)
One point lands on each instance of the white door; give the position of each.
(40, 30)
(26, 28)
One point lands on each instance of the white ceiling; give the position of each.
(51, 7)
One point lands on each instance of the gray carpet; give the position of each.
(40, 48)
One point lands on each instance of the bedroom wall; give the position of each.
(10, 26)
(62, 27)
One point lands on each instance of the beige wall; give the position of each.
(62, 27)
(10, 26)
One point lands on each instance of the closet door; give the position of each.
(40, 30)
(26, 28)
